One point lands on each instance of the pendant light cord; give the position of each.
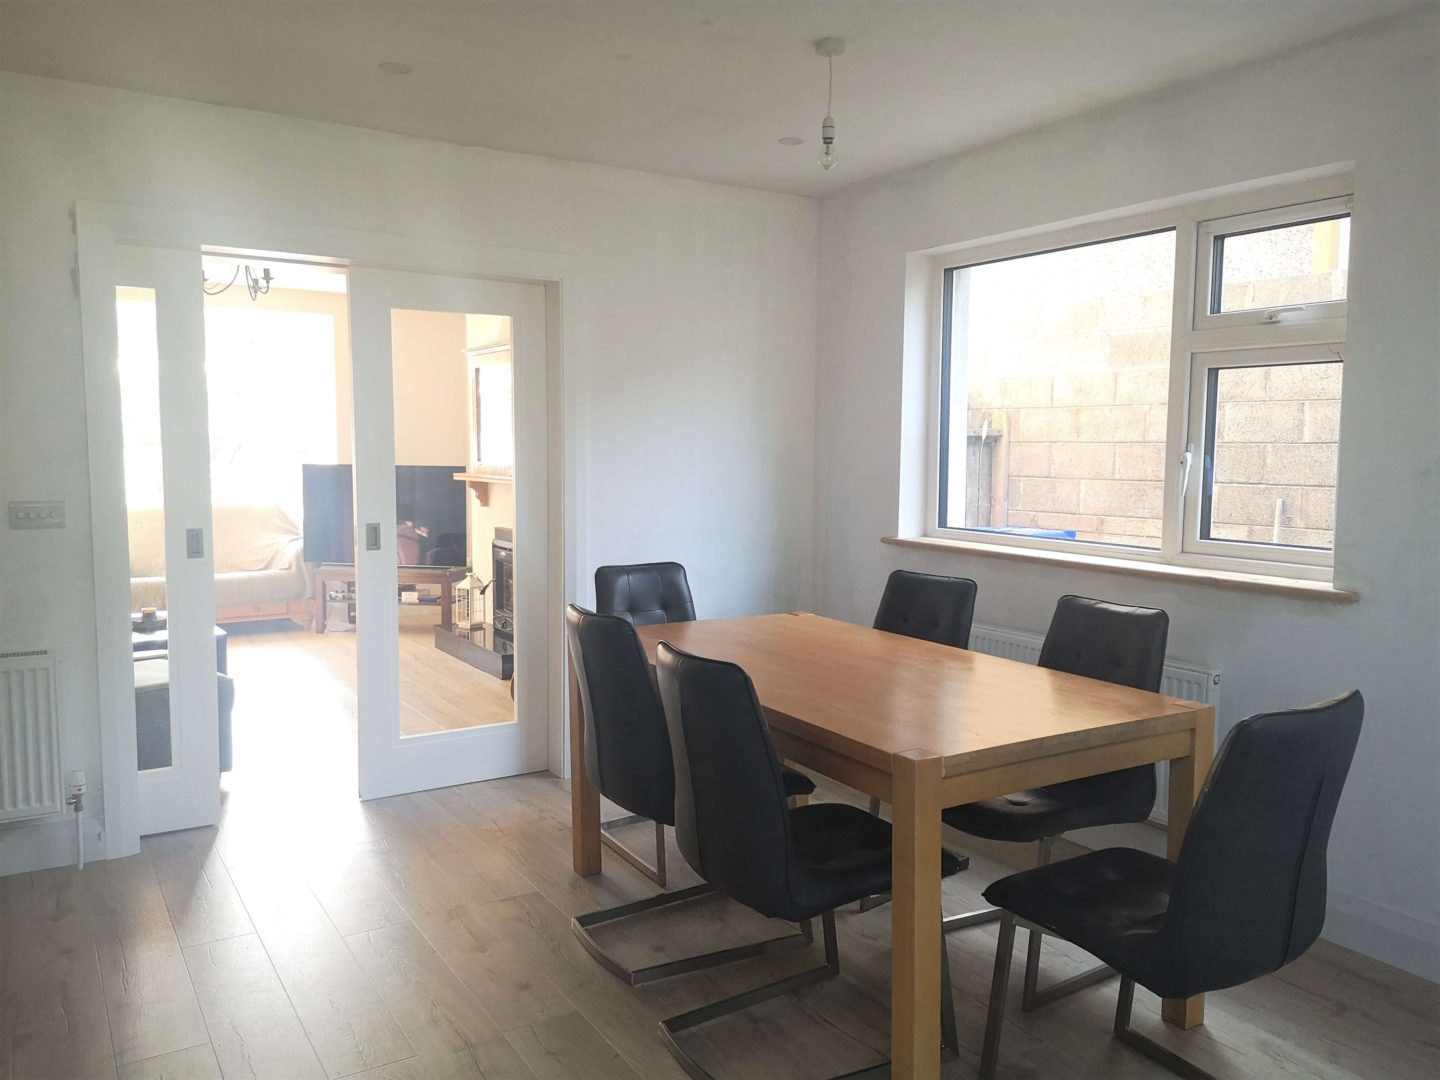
(830, 86)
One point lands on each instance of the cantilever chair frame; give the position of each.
(672, 1026)
(582, 925)
(1123, 1029)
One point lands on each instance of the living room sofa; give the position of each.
(259, 572)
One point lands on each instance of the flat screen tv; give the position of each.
(429, 515)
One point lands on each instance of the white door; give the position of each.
(461, 742)
(160, 323)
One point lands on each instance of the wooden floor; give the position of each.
(308, 674)
(427, 937)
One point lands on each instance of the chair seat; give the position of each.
(796, 783)
(1110, 799)
(843, 854)
(1110, 903)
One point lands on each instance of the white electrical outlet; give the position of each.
(37, 515)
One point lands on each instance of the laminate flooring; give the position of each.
(428, 936)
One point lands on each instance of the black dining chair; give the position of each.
(735, 830)
(1114, 643)
(628, 759)
(928, 606)
(645, 593)
(1245, 897)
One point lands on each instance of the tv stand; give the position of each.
(446, 577)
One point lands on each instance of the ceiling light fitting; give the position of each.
(829, 47)
(256, 286)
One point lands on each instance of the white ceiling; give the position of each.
(685, 87)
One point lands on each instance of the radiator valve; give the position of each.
(77, 790)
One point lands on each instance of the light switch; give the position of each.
(37, 515)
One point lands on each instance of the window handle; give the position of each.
(1273, 315)
(1185, 460)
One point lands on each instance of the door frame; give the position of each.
(100, 228)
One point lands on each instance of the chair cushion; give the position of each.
(1110, 799)
(1110, 903)
(842, 854)
(796, 783)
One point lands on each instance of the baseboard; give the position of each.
(40, 845)
(1383, 934)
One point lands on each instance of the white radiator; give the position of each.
(29, 737)
(1180, 680)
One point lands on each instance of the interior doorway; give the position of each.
(291, 601)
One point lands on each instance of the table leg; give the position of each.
(915, 917)
(447, 618)
(584, 798)
(1187, 777)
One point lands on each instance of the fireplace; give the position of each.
(502, 592)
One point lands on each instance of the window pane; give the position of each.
(1292, 264)
(1059, 368)
(1274, 437)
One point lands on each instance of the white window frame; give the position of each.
(1233, 554)
(1289, 314)
(1195, 335)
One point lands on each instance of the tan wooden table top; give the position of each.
(868, 694)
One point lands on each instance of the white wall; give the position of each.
(1373, 100)
(690, 351)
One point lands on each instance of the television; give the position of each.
(429, 515)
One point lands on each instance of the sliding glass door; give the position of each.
(449, 574)
(178, 654)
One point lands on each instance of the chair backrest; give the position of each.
(644, 593)
(627, 746)
(1112, 642)
(731, 821)
(928, 606)
(1249, 889)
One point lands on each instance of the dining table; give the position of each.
(924, 726)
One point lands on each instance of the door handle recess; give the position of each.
(372, 536)
(194, 543)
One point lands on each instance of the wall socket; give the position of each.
(37, 515)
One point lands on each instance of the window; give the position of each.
(1164, 389)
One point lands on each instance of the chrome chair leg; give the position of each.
(1152, 1050)
(582, 925)
(669, 1028)
(999, 986)
(655, 873)
(674, 1025)
(1032, 995)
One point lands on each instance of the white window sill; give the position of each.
(1315, 590)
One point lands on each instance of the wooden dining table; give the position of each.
(925, 726)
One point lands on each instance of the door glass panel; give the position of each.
(455, 518)
(138, 359)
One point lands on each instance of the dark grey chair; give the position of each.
(735, 830)
(1245, 897)
(645, 593)
(627, 757)
(1118, 644)
(928, 606)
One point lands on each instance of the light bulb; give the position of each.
(827, 139)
